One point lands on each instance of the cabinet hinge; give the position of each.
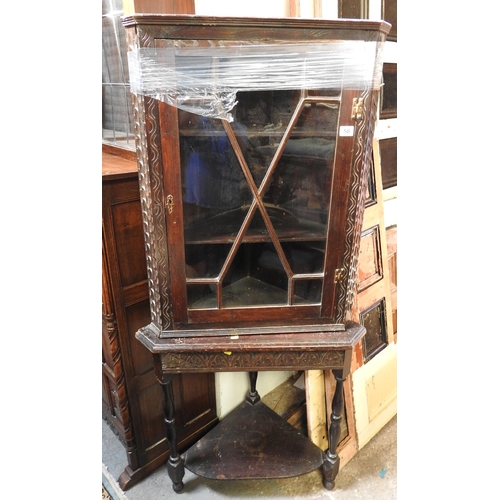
(357, 109)
(339, 274)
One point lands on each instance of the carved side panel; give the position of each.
(148, 147)
(146, 201)
(359, 180)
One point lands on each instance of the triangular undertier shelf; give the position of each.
(253, 442)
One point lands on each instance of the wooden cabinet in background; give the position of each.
(131, 396)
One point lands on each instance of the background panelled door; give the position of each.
(374, 370)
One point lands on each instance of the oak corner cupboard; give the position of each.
(253, 142)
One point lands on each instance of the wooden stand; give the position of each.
(253, 442)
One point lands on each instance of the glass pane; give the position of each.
(213, 179)
(256, 200)
(265, 116)
(256, 277)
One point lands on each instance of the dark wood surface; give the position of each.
(131, 395)
(247, 28)
(253, 450)
(301, 338)
(280, 352)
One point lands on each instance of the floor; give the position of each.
(370, 475)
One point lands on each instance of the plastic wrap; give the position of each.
(205, 77)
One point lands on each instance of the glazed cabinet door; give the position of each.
(254, 147)
(255, 200)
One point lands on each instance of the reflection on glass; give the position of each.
(256, 200)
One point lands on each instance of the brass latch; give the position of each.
(170, 203)
(357, 109)
(339, 274)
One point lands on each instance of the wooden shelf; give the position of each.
(224, 227)
(249, 292)
(253, 442)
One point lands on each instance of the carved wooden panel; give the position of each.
(250, 361)
(115, 406)
(363, 152)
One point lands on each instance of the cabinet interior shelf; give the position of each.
(272, 132)
(224, 227)
(248, 292)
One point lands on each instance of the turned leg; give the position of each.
(253, 396)
(332, 462)
(175, 464)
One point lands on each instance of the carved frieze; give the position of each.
(247, 361)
